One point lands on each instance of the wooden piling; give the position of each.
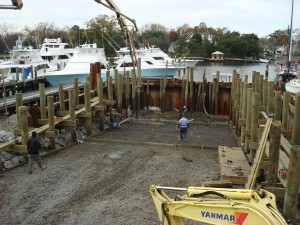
(192, 90)
(161, 92)
(42, 100)
(277, 106)
(296, 122)
(274, 148)
(248, 116)
(24, 124)
(293, 177)
(186, 101)
(254, 125)
(133, 91)
(61, 97)
(285, 110)
(120, 92)
(87, 106)
(100, 99)
(93, 76)
(75, 86)
(270, 103)
(127, 90)
(253, 80)
(50, 104)
(261, 87)
(164, 93)
(244, 111)
(139, 81)
(265, 94)
(183, 93)
(72, 104)
(237, 100)
(72, 109)
(115, 85)
(213, 96)
(19, 102)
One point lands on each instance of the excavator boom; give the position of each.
(216, 206)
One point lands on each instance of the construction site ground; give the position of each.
(106, 179)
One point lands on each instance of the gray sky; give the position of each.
(261, 17)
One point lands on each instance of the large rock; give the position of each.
(5, 155)
(8, 165)
(15, 161)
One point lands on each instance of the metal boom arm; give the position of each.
(16, 4)
(125, 28)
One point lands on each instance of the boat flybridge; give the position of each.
(79, 65)
(56, 52)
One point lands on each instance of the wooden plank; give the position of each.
(233, 164)
(258, 156)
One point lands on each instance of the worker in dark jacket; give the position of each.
(33, 147)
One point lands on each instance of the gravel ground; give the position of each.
(107, 182)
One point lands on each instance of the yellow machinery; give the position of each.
(217, 206)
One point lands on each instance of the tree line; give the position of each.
(184, 40)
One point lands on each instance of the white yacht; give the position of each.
(26, 62)
(56, 52)
(293, 86)
(160, 56)
(79, 65)
(150, 68)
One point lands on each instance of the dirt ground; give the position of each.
(106, 179)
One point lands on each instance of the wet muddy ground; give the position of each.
(106, 179)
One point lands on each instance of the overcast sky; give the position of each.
(261, 17)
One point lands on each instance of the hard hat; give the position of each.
(184, 106)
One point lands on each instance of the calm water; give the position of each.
(242, 68)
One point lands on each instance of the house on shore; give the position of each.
(217, 56)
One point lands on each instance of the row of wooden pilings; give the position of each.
(188, 92)
(251, 104)
(116, 87)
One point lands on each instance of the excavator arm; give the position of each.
(16, 4)
(216, 206)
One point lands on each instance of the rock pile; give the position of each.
(64, 138)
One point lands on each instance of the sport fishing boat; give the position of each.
(79, 65)
(150, 67)
(56, 51)
(160, 56)
(26, 63)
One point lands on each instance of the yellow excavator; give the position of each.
(216, 206)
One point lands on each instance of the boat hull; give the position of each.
(55, 79)
(154, 73)
(293, 86)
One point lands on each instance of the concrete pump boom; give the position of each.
(127, 30)
(16, 4)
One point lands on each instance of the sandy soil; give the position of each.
(104, 181)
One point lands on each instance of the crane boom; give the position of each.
(16, 4)
(124, 27)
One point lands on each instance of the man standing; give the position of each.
(33, 147)
(183, 125)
